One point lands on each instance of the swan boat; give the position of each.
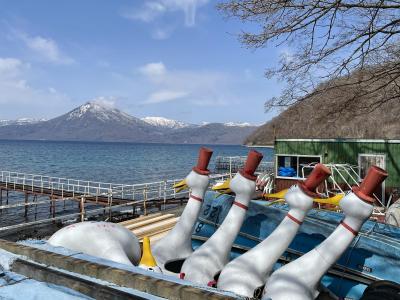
(373, 256)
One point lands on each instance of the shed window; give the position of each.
(365, 161)
(295, 166)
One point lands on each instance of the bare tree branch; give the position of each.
(328, 40)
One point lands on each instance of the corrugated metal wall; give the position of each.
(347, 152)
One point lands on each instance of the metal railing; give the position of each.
(232, 164)
(78, 188)
(81, 190)
(342, 175)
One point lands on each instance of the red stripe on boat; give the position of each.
(240, 205)
(294, 219)
(195, 198)
(348, 228)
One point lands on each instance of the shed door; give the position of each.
(367, 160)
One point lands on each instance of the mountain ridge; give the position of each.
(98, 122)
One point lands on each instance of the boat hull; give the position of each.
(373, 255)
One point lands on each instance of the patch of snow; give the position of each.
(6, 259)
(21, 121)
(29, 289)
(233, 124)
(164, 122)
(41, 244)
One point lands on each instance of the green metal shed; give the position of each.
(360, 153)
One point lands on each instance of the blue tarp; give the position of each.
(286, 172)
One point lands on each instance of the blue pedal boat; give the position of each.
(374, 254)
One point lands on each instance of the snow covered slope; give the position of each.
(164, 122)
(22, 121)
(101, 112)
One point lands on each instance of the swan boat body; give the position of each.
(373, 255)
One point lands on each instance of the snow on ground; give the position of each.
(41, 244)
(6, 260)
(17, 287)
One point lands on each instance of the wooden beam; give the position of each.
(149, 221)
(139, 219)
(152, 228)
(164, 288)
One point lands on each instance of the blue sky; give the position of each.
(178, 59)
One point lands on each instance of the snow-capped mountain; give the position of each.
(21, 121)
(99, 121)
(100, 111)
(164, 122)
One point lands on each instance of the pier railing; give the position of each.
(112, 196)
(78, 188)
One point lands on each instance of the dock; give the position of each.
(91, 198)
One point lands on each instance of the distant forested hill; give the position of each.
(334, 113)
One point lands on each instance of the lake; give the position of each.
(127, 163)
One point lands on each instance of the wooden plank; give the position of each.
(155, 227)
(150, 221)
(139, 219)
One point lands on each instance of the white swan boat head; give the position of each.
(177, 244)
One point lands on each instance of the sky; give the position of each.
(179, 59)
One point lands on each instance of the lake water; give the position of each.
(126, 163)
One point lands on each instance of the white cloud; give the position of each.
(165, 96)
(155, 11)
(149, 11)
(106, 101)
(9, 67)
(201, 88)
(19, 98)
(46, 48)
(153, 70)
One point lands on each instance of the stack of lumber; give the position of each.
(155, 226)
